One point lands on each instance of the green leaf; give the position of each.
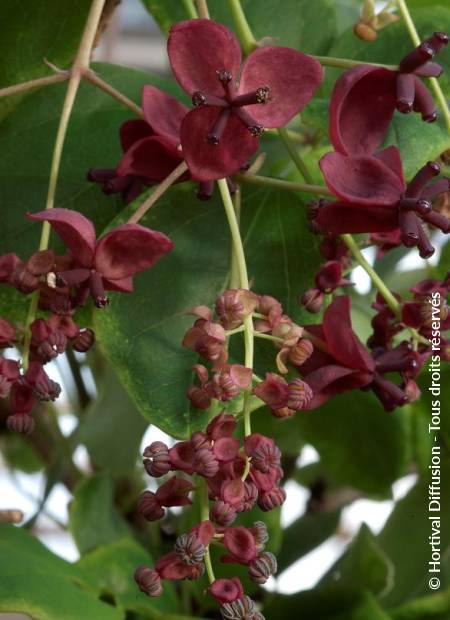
(141, 334)
(94, 520)
(305, 534)
(433, 607)
(294, 25)
(112, 428)
(35, 582)
(20, 454)
(330, 603)
(410, 522)
(359, 442)
(363, 565)
(48, 31)
(27, 136)
(110, 568)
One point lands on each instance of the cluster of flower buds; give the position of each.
(208, 338)
(237, 479)
(373, 20)
(62, 284)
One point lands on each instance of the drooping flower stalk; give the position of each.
(81, 63)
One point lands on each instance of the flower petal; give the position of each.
(163, 113)
(339, 217)
(215, 161)
(123, 285)
(197, 49)
(391, 157)
(152, 158)
(341, 340)
(239, 541)
(75, 230)
(292, 79)
(361, 109)
(132, 131)
(129, 249)
(361, 180)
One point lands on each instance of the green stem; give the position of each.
(348, 63)
(80, 64)
(190, 9)
(295, 155)
(204, 516)
(234, 272)
(244, 283)
(377, 281)
(403, 8)
(255, 179)
(244, 32)
(202, 9)
(268, 337)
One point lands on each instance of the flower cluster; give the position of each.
(237, 478)
(231, 110)
(62, 284)
(372, 194)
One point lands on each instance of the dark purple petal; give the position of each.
(361, 109)
(163, 113)
(75, 230)
(341, 340)
(361, 180)
(215, 161)
(292, 79)
(124, 285)
(391, 157)
(197, 49)
(129, 249)
(151, 158)
(132, 131)
(339, 217)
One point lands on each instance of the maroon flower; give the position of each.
(109, 263)
(7, 334)
(174, 492)
(226, 590)
(151, 147)
(148, 580)
(282, 397)
(222, 133)
(241, 545)
(373, 197)
(364, 98)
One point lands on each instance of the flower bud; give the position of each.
(148, 580)
(205, 463)
(41, 263)
(7, 333)
(260, 533)
(200, 440)
(241, 609)
(365, 32)
(262, 567)
(234, 305)
(189, 548)
(199, 397)
(250, 495)
(156, 459)
(20, 423)
(226, 590)
(222, 513)
(84, 341)
(269, 500)
(149, 507)
(300, 352)
(265, 456)
(312, 300)
(300, 395)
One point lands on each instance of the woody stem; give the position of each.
(403, 8)
(80, 64)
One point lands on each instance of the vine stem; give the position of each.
(158, 192)
(62, 76)
(348, 63)
(97, 81)
(434, 83)
(204, 516)
(241, 266)
(281, 184)
(295, 155)
(234, 272)
(190, 9)
(80, 64)
(245, 34)
(202, 9)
